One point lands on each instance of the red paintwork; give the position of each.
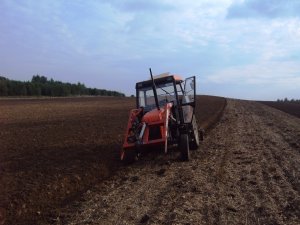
(153, 118)
(154, 115)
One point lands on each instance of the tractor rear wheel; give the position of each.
(195, 140)
(184, 147)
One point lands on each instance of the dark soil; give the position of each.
(292, 108)
(245, 172)
(54, 150)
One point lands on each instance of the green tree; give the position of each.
(40, 85)
(3, 88)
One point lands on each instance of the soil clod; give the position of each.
(161, 172)
(134, 178)
(145, 219)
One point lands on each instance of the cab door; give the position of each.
(189, 99)
(189, 92)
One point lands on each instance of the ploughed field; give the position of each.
(52, 151)
(292, 108)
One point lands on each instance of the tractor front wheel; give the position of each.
(195, 140)
(130, 157)
(184, 147)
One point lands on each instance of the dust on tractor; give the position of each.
(164, 117)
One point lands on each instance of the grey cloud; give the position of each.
(145, 6)
(264, 8)
(147, 14)
(140, 5)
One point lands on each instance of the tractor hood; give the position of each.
(154, 115)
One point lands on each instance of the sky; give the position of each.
(246, 49)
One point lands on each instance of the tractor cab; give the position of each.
(164, 116)
(169, 89)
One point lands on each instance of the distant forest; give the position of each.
(41, 86)
(289, 100)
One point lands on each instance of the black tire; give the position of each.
(201, 132)
(184, 147)
(195, 139)
(130, 157)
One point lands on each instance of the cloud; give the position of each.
(285, 74)
(150, 6)
(266, 9)
(109, 39)
(261, 81)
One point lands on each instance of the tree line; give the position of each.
(289, 100)
(42, 86)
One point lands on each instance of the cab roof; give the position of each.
(176, 77)
(159, 79)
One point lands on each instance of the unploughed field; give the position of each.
(52, 151)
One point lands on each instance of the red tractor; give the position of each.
(164, 116)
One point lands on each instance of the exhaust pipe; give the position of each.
(154, 90)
